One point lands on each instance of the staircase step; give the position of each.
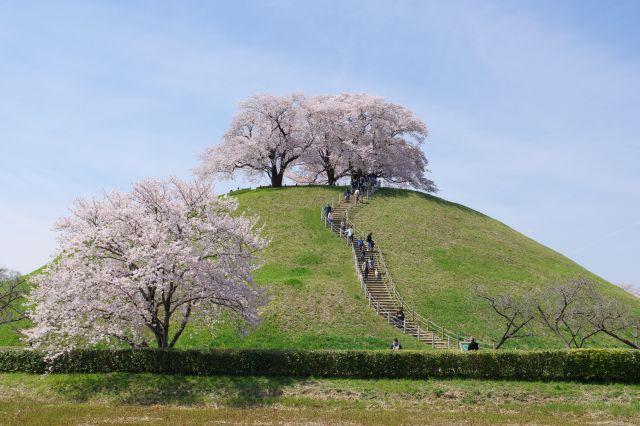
(379, 294)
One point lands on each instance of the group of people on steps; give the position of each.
(367, 244)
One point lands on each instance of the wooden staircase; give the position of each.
(377, 290)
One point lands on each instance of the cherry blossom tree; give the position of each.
(267, 136)
(322, 139)
(139, 266)
(387, 138)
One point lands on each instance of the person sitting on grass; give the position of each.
(473, 345)
(395, 345)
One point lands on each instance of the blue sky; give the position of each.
(533, 107)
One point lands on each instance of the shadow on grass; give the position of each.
(152, 389)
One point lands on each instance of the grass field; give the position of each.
(160, 399)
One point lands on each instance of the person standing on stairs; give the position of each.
(343, 228)
(327, 210)
(400, 317)
(350, 235)
(347, 195)
(365, 270)
(372, 262)
(369, 240)
(330, 219)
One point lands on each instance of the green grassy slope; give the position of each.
(438, 251)
(316, 301)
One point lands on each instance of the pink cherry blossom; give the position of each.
(137, 267)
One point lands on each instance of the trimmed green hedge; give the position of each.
(590, 365)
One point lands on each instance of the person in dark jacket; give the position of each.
(473, 345)
(400, 317)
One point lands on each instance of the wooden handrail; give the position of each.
(427, 324)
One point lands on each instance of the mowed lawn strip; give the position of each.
(162, 399)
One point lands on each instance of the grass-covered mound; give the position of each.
(316, 301)
(438, 251)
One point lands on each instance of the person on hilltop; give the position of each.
(395, 345)
(330, 219)
(473, 345)
(347, 195)
(357, 194)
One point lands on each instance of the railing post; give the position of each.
(433, 341)
(443, 332)
(377, 308)
(448, 342)
(418, 333)
(369, 299)
(388, 319)
(404, 326)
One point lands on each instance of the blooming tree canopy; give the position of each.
(267, 136)
(139, 266)
(321, 139)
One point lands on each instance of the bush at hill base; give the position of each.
(585, 365)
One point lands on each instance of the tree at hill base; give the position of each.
(137, 267)
(13, 289)
(573, 311)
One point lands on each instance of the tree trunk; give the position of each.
(331, 176)
(276, 180)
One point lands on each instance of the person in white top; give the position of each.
(350, 235)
